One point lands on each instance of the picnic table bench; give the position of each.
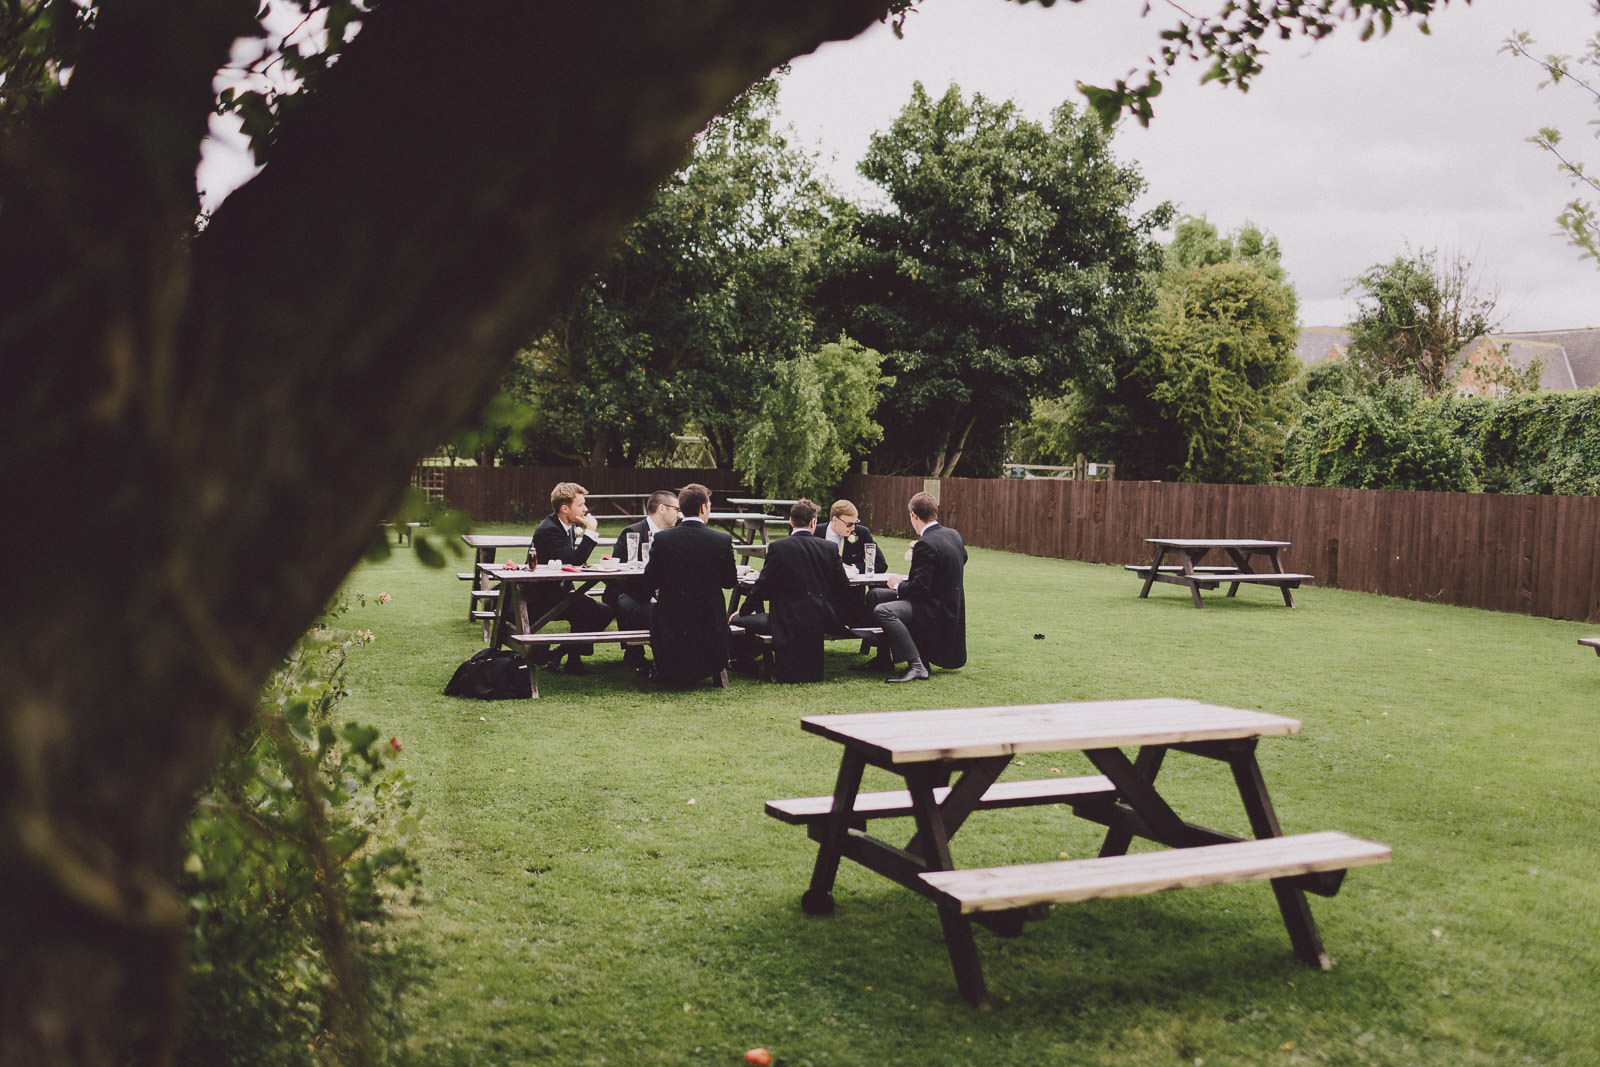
(1592, 642)
(926, 748)
(1189, 571)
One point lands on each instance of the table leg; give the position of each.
(1146, 765)
(818, 898)
(1191, 559)
(1155, 569)
(933, 837)
(1292, 903)
(1277, 568)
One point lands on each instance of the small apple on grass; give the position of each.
(759, 1057)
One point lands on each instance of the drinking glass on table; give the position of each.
(869, 557)
(633, 546)
(644, 552)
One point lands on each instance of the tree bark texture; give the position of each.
(200, 433)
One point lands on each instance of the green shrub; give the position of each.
(1546, 443)
(296, 854)
(1389, 438)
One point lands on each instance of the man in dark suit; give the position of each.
(629, 598)
(804, 585)
(850, 538)
(690, 565)
(926, 622)
(568, 534)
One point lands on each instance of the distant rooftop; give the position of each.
(1570, 359)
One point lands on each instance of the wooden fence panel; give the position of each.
(1527, 554)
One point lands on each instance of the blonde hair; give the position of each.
(845, 508)
(565, 493)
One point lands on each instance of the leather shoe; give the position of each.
(575, 666)
(879, 665)
(916, 672)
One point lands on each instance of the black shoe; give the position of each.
(915, 672)
(878, 665)
(575, 666)
(748, 667)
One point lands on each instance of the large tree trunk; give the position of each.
(199, 435)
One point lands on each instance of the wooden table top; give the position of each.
(956, 733)
(498, 540)
(501, 573)
(1214, 542)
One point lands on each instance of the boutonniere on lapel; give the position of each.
(852, 539)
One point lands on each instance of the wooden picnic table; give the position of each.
(749, 528)
(1190, 570)
(485, 548)
(748, 576)
(765, 502)
(925, 748)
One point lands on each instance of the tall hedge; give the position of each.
(1543, 443)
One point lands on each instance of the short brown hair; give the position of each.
(693, 497)
(802, 513)
(565, 493)
(661, 498)
(924, 507)
(845, 508)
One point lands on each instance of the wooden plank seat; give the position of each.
(584, 637)
(1065, 881)
(982, 889)
(1142, 569)
(1211, 581)
(529, 642)
(894, 803)
(855, 633)
(1592, 642)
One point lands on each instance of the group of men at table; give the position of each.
(679, 598)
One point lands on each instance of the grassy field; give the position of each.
(603, 887)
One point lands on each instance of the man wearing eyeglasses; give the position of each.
(630, 598)
(846, 533)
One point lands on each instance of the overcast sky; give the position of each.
(1346, 151)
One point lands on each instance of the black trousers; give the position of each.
(586, 614)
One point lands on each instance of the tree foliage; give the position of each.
(1008, 261)
(1416, 314)
(1391, 437)
(705, 295)
(1546, 443)
(1580, 219)
(816, 415)
(1208, 397)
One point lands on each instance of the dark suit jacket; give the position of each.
(804, 583)
(856, 554)
(690, 565)
(551, 541)
(935, 586)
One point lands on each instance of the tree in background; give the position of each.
(1580, 220)
(240, 407)
(1415, 315)
(1009, 261)
(1205, 397)
(812, 419)
(705, 296)
(1208, 398)
(1197, 243)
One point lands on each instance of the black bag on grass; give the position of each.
(493, 674)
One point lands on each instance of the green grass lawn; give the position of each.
(603, 887)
